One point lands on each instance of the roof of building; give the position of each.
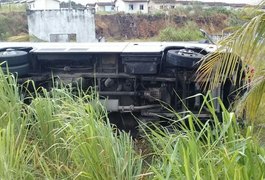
(188, 2)
(105, 3)
(163, 1)
(91, 4)
(29, 1)
(136, 0)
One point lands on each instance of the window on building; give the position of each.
(72, 37)
(141, 7)
(130, 6)
(63, 37)
(161, 7)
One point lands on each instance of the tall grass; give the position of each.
(81, 142)
(64, 133)
(14, 147)
(212, 150)
(61, 135)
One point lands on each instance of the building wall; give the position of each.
(50, 4)
(44, 5)
(109, 8)
(120, 5)
(104, 8)
(62, 25)
(125, 7)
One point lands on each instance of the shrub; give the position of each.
(12, 26)
(189, 32)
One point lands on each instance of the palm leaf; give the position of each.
(233, 58)
(252, 100)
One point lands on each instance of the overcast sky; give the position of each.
(226, 1)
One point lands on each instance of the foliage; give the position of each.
(211, 150)
(7, 8)
(205, 18)
(247, 42)
(71, 5)
(60, 134)
(65, 134)
(14, 149)
(3, 27)
(12, 26)
(189, 32)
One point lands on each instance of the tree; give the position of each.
(71, 5)
(248, 43)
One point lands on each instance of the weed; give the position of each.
(189, 32)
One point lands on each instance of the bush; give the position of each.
(189, 32)
(12, 26)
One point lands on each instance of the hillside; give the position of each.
(126, 26)
(120, 27)
(12, 24)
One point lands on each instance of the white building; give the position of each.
(43, 4)
(105, 5)
(132, 6)
(62, 25)
(102, 5)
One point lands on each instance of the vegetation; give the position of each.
(71, 5)
(211, 150)
(12, 26)
(213, 20)
(190, 32)
(65, 134)
(19, 38)
(247, 42)
(60, 135)
(196, 11)
(9, 7)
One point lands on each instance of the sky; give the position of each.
(253, 2)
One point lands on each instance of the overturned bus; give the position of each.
(129, 77)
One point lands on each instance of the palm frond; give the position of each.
(251, 100)
(233, 58)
